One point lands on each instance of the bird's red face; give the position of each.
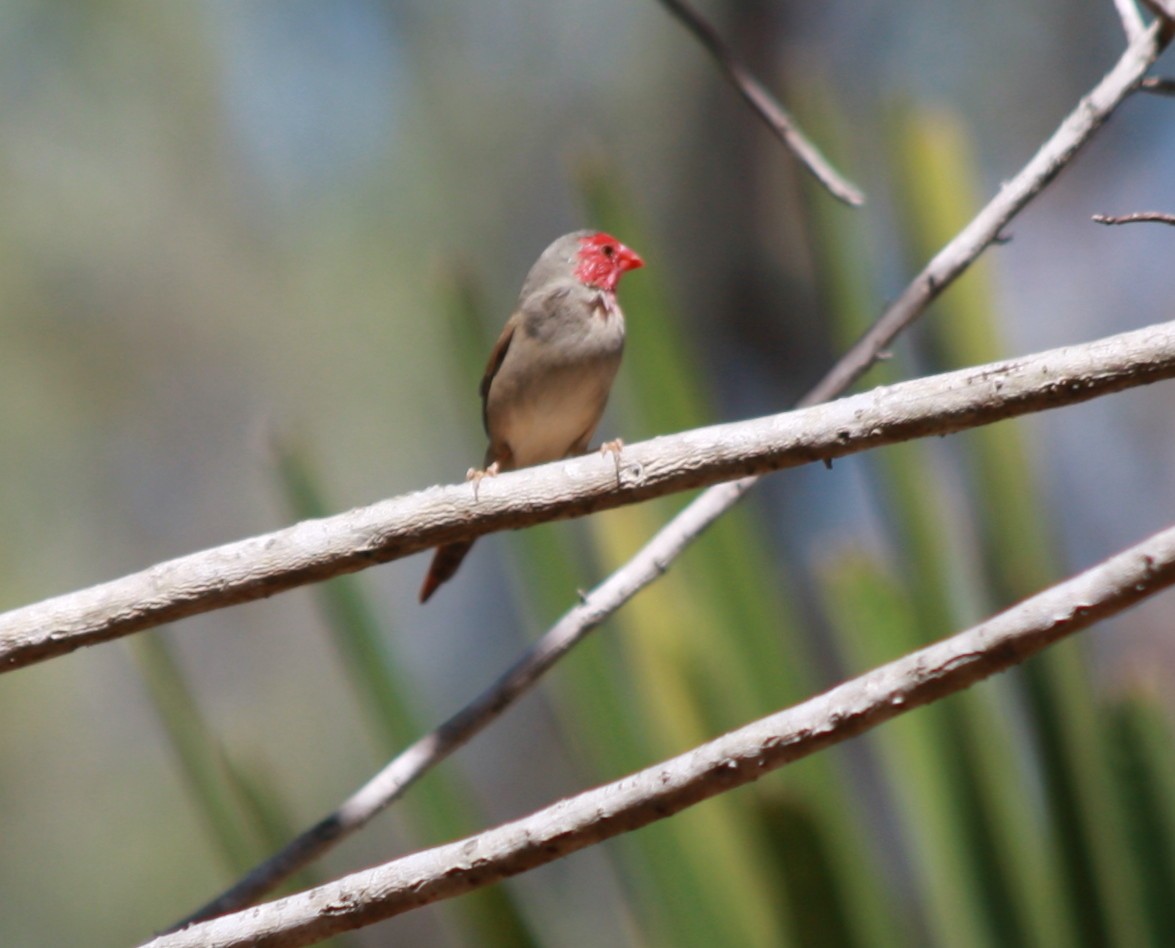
(603, 260)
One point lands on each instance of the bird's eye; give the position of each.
(609, 250)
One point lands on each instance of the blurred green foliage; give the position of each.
(184, 259)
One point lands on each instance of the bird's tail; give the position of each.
(445, 562)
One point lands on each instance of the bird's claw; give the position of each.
(613, 447)
(475, 476)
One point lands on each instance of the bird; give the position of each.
(549, 374)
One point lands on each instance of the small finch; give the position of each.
(549, 374)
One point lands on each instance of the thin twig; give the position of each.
(1159, 85)
(1132, 21)
(960, 397)
(732, 760)
(1156, 217)
(318, 549)
(1056, 153)
(765, 105)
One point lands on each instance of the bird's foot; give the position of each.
(613, 447)
(476, 476)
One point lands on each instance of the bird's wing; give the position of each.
(497, 355)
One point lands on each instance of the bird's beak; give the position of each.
(628, 259)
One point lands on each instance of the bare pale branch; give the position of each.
(412, 763)
(318, 549)
(764, 104)
(732, 760)
(1132, 21)
(659, 553)
(950, 262)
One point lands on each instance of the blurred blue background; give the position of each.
(229, 222)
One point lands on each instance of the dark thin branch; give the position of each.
(1155, 217)
(733, 760)
(959, 396)
(1159, 85)
(765, 105)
